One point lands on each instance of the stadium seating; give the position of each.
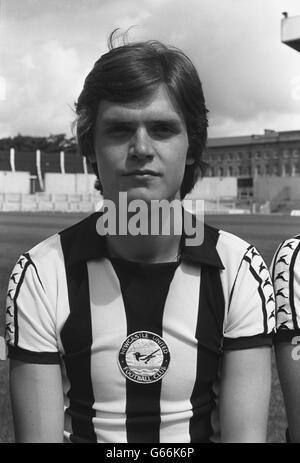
(27, 185)
(68, 186)
(49, 202)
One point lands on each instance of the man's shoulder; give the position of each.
(44, 248)
(227, 241)
(233, 242)
(288, 248)
(68, 237)
(233, 250)
(286, 257)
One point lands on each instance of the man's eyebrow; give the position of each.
(153, 119)
(114, 120)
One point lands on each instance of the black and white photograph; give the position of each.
(149, 224)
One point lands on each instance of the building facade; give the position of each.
(270, 154)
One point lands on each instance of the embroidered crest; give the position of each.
(144, 357)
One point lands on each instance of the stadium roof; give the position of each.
(270, 136)
(290, 31)
(50, 162)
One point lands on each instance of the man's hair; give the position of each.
(132, 72)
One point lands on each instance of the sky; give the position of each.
(251, 80)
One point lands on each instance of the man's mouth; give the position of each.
(142, 173)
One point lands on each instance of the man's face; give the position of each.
(141, 148)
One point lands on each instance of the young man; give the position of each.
(286, 278)
(145, 338)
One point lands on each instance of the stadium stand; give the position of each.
(62, 181)
(26, 191)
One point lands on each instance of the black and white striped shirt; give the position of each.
(285, 271)
(140, 345)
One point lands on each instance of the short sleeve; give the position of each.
(250, 321)
(285, 271)
(30, 320)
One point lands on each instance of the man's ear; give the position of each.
(189, 160)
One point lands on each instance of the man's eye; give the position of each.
(118, 130)
(163, 130)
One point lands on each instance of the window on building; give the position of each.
(249, 171)
(221, 172)
(268, 169)
(296, 153)
(258, 170)
(258, 155)
(275, 154)
(287, 169)
(286, 153)
(266, 155)
(240, 170)
(230, 171)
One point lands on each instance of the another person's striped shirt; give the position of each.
(140, 345)
(285, 272)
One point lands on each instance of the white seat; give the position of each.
(44, 206)
(62, 206)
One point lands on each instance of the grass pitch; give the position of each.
(21, 231)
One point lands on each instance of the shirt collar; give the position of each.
(82, 243)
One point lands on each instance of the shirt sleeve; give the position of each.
(250, 320)
(285, 271)
(30, 320)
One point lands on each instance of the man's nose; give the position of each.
(141, 145)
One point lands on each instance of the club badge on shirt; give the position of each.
(144, 357)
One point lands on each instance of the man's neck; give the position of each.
(152, 234)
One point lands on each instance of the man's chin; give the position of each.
(148, 196)
(143, 194)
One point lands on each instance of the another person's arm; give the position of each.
(288, 364)
(37, 402)
(285, 271)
